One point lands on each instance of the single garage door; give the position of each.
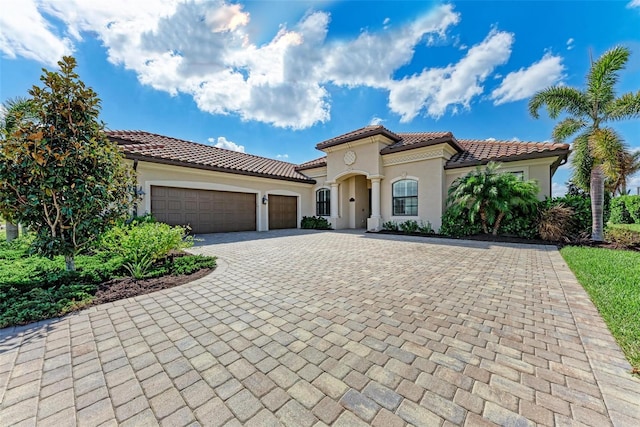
(205, 211)
(283, 212)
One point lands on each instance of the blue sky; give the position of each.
(273, 78)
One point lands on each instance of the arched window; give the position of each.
(323, 202)
(405, 197)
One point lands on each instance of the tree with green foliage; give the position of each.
(490, 195)
(59, 174)
(598, 150)
(12, 112)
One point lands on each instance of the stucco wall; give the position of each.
(430, 175)
(174, 176)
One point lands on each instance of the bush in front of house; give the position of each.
(315, 223)
(410, 226)
(142, 243)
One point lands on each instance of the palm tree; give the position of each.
(629, 165)
(491, 195)
(597, 149)
(12, 112)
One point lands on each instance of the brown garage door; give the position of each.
(205, 211)
(283, 212)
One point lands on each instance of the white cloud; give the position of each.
(282, 156)
(205, 49)
(25, 32)
(558, 190)
(525, 82)
(633, 3)
(376, 121)
(571, 41)
(436, 89)
(223, 142)
(490, 139)
(386, 21)
(515, 139)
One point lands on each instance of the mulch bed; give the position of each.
(128, 287)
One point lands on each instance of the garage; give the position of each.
(205, 211)
(283, 212)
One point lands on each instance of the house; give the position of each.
(366, 177)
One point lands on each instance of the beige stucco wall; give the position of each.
(430, 175)
(149, 174)
(535, 169)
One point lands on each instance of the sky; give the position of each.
(274, 78)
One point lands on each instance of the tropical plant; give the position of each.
(597, 149)
(490, 195)
(555, 223)
(410, 226)
(629, 165)
(12, 112)
(60, 175)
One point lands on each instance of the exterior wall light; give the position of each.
(265, 200)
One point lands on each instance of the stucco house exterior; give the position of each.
(366, 177)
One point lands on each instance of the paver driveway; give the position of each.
(306, 328)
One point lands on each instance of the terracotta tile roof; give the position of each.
(163, 149)
(315, 163)
(364, 132)
(477, 152)
(411, 140)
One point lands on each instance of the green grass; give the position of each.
(632, 227)
(612, 280)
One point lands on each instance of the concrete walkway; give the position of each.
(312, 328)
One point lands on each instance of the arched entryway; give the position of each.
(355, 200)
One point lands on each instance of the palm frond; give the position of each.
(607, 146)
(567, 127)
(559, 99)
(603, 74)
(626, 106)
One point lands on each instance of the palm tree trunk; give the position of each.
(496, 226)
(597, 204)
(12, 231)
(483, 221)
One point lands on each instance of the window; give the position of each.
(519, 174)
(323, 202)
(405, 197)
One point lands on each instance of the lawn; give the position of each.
(612, 280)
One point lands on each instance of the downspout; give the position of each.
(135, 189)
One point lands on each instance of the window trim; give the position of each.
(326, 202)
(393, 198)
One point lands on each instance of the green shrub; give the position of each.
(390, 226)
(410, 226)
(141, 244)
(425, 228)
(456, 223)
(619, 211)
(622, 236)
(192, 263)
(520, 223)
(633, 206)
(315, 223)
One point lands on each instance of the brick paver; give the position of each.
(340, 328)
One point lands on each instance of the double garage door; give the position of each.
(207, 211)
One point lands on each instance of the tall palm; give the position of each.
(596, 148)
(13, 112)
